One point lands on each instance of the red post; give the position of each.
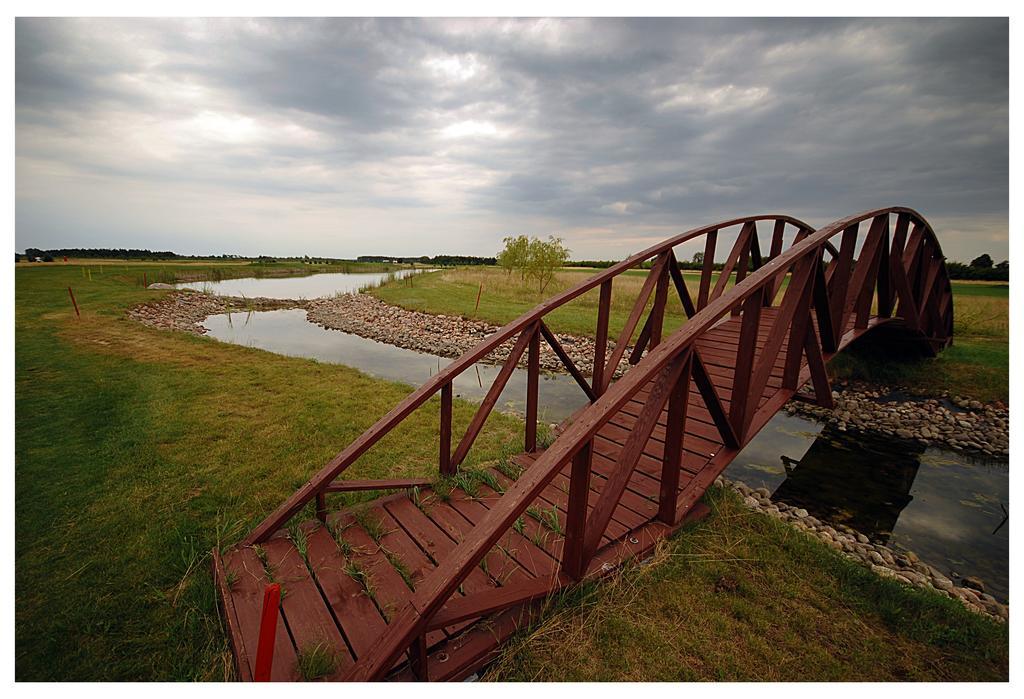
(478, 293)
(268, 633)
(74, 303)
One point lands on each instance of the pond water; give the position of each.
(288, 332)
(945, 506)
(308, 287)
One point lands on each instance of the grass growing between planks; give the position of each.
(139, 450)
(976, 366)
(742, 597)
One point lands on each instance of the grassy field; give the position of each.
(743, 597)
(138, 450)
(976, 366)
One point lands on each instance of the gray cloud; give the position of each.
(345, 137)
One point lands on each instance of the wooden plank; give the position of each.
(360, 620)
(393, 484)
(432, 540)
(481, 604)
(309, 620)
(249, 581)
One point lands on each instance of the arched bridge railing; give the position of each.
(796, 305)
(526, 333)
(877, 274)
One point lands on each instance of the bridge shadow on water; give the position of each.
(947, 507)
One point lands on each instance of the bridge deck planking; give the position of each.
(329, 605)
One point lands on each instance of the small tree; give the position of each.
(545, 258)
(698, 258)
(515, 255)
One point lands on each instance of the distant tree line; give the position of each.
(981, 268)
(697, 262)
(115, 254)
(438, 260)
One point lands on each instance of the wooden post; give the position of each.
(604, 305)
(532, 379)
(709, 267)
(446, 430)
(576, 517)
(478, 293)
(268, 633)
(672, 460)
(657, 317)
(749, 326)
(74, 303)
(321, 507)
(418, 659)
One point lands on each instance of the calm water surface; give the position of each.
(309, 287)
(945, 506)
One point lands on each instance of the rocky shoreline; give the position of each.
(951, 422)
(447, 336)
(899, 565)
(185, 310)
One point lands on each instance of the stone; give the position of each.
(974, 583)
(800, 513)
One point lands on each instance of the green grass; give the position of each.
(977, 366)
(743, 597)
(316, 662)
(139, 450)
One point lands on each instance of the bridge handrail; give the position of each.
(919, 268)
(318, 485)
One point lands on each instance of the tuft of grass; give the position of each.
(298, 539)
(403, 570)
(519, 525)
(547, 516)
(357, 573)
(316, 662)
(545, 435)
(371, 523)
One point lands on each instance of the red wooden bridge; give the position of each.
(426, 584)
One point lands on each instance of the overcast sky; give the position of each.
(350, 137)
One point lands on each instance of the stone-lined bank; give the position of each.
(447, 336)
(903, 566)
(185, 311)
(952, 422)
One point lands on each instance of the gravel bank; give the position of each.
(947, 421)
(186, 310)
(447, 336)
